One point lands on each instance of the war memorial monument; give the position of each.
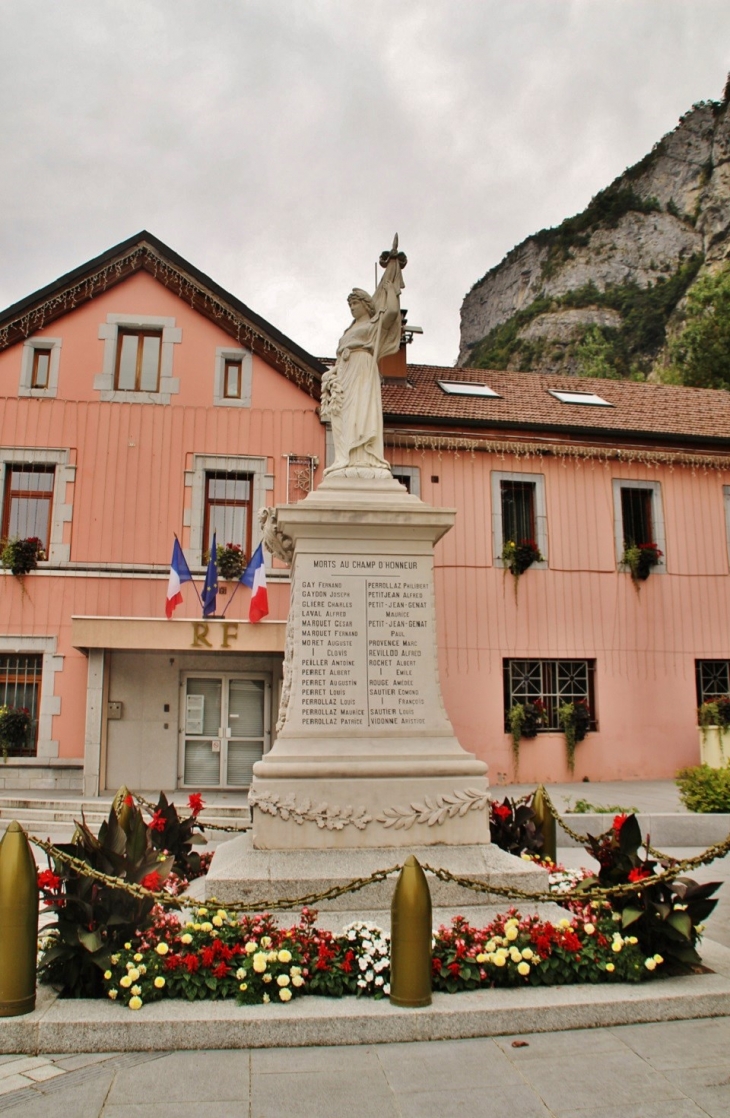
(365, 768)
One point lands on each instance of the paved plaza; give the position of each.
(673, 1070)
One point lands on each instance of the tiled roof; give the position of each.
(658, 410)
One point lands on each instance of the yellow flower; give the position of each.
(632, 940)
(128, 947)
(136, 990)
(206, 927)
(283, 980)
(222, 913)
(511, 932)
(218, 921)
(187, 938)
(259, 962)
(107, 974)
(523, 969)
(143, 969)
(295, 970)
(138, 957)
(251, 947)
(114, 960)
(285, 995)
(240, 973)
(266, 999)
(658, 959)
(196, 927)
(589, 929)
(202, 912)
(268, 977)
(135, 1002)
(162, 949)
(515, 955)
(617, 945)
(650, 964)
(125, 981)
(481, 958)
(500, 960)
(159, 982)
(527, 953)
(243, 986)
(563, 923)
(266, 941)
(284, 956)
(113, 995)
(610, 968)
(297, 980)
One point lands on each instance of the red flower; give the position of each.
(191, 962)
(47, 879)
(348, 961)
(196, 803)
(151, 881)
(172, 962)
(638, 873)
(129, 800)
(157, 822)
(501, 811)
(455, 969)
(570, 941)
(618, 822)
(220, 971)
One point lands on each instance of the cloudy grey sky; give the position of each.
(278, 144)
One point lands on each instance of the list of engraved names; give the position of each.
(366, 645)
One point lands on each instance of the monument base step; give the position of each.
(239, 872)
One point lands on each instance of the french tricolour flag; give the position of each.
(179, 573)
(255, 577)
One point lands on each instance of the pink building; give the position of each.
(138, 400)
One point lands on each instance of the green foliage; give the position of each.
(701, 351)
(176, 836)
(703, 789)
(585, 807)
(604, 352)
(641, 559)
(15, 723)
(231, 561)
(575, 719)
(524, 720)
(93, 919)
(665, 917)
(22, 556)
(715, 712)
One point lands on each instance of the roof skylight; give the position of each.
(580, 398)
(465, 388)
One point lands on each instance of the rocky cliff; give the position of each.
(609, 280)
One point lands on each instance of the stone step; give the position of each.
(38, 816)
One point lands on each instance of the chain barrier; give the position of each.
(599, 893)
(231, 830)
(583, 840)
(162, 897)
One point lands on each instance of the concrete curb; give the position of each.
(58, 1026)
(666, 829)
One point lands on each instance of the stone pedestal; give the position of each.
(365, 755)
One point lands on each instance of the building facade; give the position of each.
(139, 401)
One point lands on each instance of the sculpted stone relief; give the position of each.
(433, 810)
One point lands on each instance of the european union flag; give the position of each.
(210, 589)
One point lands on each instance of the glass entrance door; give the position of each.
(225, 729)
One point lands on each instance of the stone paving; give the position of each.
(672, 1070)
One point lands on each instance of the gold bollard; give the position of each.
(545, 820)
(410, 937)
(18, 923)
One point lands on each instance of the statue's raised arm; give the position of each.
(351, 397)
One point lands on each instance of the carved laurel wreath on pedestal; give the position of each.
(433, 810)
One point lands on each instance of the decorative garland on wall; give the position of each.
(456, 445)
(199, 298)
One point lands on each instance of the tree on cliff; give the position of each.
(701, 351)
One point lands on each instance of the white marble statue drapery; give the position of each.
(351, 396)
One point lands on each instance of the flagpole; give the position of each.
(200, 600)
(225, 611)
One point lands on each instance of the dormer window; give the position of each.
(138, 361)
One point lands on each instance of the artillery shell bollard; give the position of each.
(18, 923)
(410, 937)
(545, 820)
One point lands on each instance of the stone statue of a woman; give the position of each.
(351, 398)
